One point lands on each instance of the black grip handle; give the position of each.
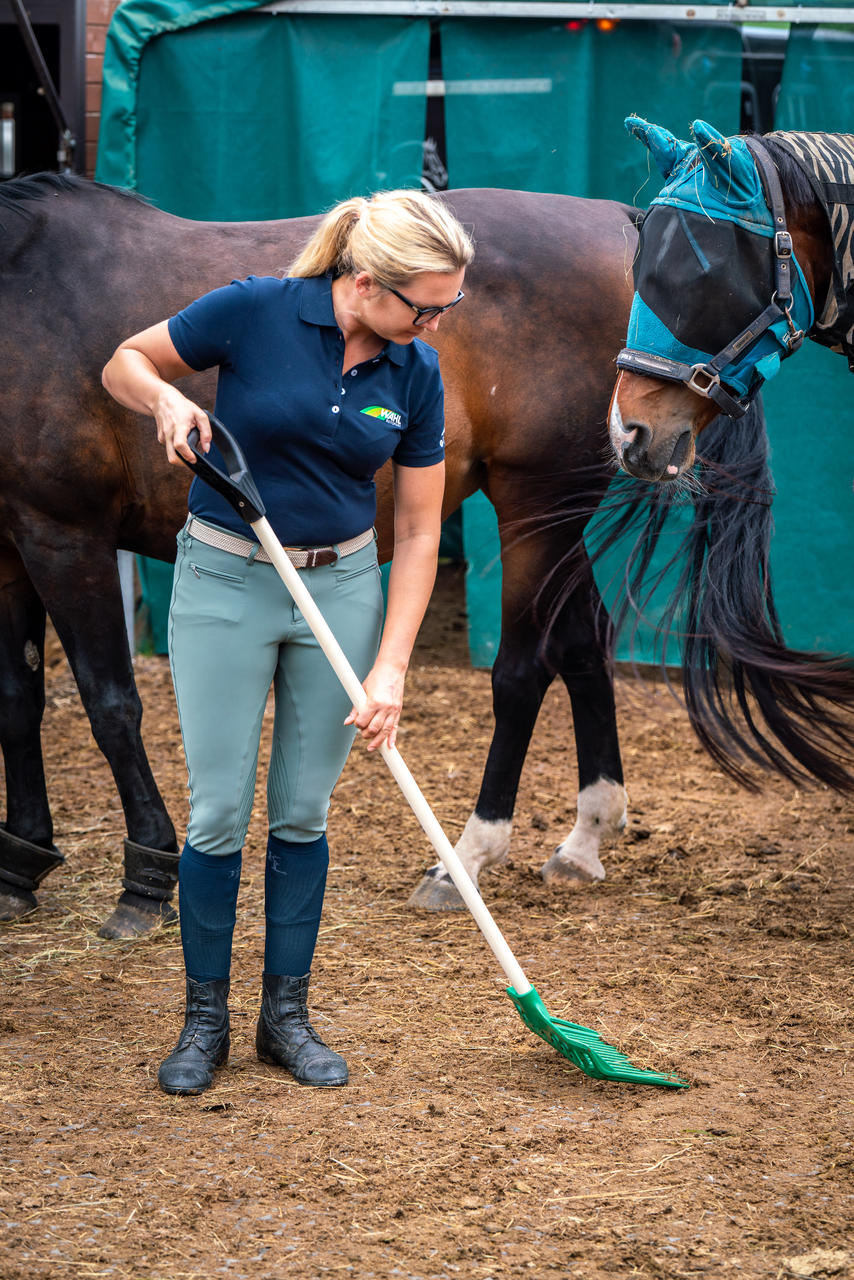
(237, 486)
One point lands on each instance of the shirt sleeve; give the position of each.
(423, 441)
(207, 331)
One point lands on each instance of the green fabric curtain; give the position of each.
(817, 90)
(133, 26)
(266, 116)
(537, 106)
(562, 131)
(809, 402)
(808, 406)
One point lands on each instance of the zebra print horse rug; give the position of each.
(827, 160)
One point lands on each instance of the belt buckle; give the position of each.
(317, 556)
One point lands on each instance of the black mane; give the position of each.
(15, 192)
(794, 181)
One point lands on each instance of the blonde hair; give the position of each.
(393, 235)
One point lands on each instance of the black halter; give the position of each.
(705, 379)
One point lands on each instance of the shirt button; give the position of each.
(343, 391)
(353, 373)
(336, 409)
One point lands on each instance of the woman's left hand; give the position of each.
(378, 720)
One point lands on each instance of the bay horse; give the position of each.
(747, 250)
(528, 368)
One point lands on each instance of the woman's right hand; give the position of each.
(141, 373)
(175, 417)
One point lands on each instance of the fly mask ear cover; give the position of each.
(704, 270)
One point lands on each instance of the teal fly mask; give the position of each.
(714, 259)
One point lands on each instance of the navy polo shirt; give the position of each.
(313, 437)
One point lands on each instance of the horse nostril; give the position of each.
(638, 440)
(680, 452)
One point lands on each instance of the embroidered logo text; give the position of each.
(387, 415)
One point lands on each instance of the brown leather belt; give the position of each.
(300, 557)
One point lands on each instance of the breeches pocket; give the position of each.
(345, 574)
(207, 588)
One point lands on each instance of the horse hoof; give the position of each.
(566, 875)
(135, 916)
(15, 903)
(436, 892)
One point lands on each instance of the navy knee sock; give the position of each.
(294, 885)
(207, 898)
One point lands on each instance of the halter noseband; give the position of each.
(705, 379)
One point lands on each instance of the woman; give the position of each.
(322, 378)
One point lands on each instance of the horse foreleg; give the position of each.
(83, 597)
(519, 683)
(602, 800)
(27, 851)
(523, 671)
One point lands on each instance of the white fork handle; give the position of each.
(404, 779)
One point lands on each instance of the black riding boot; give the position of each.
(203, 1044)
(286, 1037)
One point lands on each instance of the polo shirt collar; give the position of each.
(316, 308)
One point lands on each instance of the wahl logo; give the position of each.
(387, 415)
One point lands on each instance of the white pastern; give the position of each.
(601, 818)
(482, 845)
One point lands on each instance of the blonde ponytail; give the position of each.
(394, 235)
(327, 248)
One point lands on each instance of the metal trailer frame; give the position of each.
(557, 9)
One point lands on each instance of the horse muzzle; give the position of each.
(660, 453)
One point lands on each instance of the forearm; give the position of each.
(134, 380)
(413, 573)
(140, 375)
(417, 528)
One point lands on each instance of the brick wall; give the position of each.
(98, 15)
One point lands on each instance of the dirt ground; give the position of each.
(464, 1146)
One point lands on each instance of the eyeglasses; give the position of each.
(423, 315)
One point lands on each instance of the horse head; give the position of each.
(720, 298)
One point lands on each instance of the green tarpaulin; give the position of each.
(553, 121)
(540, 106)
(134, 25)
(537, 106)
(817, 91)
(255, 116)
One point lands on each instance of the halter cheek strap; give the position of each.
(705, 379)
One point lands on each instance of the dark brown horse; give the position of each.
(527, 367)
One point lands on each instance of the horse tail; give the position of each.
(750, 699)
